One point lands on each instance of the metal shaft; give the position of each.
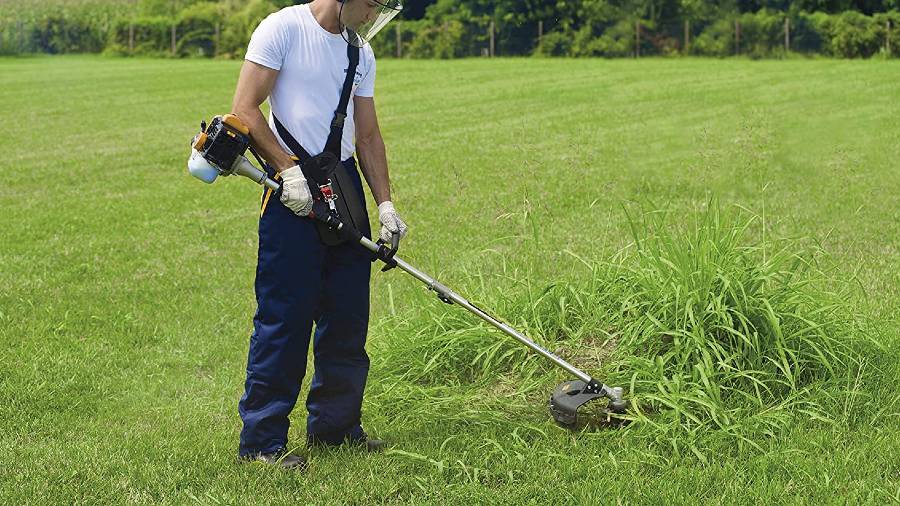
(449, 294)
(244, 167)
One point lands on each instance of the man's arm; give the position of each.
(370, 148)
(254, 86)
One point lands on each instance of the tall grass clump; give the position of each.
(715, 328)
(724, 328)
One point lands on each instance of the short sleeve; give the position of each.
(271, 41)
(366, 86)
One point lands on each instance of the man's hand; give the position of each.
(390, 221)
(294, 191)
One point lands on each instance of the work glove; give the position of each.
(390, 221)
(295, 192)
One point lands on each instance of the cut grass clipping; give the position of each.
(713, 327)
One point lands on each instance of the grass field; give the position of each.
(127, 285)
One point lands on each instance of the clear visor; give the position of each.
(364, 18)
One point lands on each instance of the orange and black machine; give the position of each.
(218, 150)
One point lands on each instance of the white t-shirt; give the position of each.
(312, 63)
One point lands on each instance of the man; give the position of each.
(299, 58)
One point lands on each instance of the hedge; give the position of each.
(205, 29)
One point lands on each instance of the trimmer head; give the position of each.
(571, 395)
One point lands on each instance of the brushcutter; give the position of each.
(219, 150)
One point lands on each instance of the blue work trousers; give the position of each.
(301, 281)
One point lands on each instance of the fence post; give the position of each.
(687, 36)
(737, 37)
(787, 35)
(540, 32)
(887, 36)
(19, 39)
(399, 40)
(173, 39)
(217, 40)
(107, 27)
(64, 36)
(491, 29)
(637, 39)
(130, 37)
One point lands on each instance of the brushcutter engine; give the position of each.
(223, 141)
(218, 150)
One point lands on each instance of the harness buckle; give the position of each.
(328, 195)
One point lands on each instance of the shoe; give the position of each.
(370, 445)
(375, 445)
(278, 458)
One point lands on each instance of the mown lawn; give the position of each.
(128, 286)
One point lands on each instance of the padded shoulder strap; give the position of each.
(340, 114)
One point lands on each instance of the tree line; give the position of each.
(461, 28)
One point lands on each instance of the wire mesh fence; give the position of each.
(200, 32)
(756, 35)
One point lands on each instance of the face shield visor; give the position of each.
(364, 18)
